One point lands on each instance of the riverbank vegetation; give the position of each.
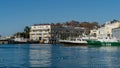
(24, 34)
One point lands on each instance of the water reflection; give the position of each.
(81, 56)
(69, 57)
(59, 56)
(110, 55)
(105, 56)
(13, 56)
(40, 56)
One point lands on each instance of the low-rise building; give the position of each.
(69, 31)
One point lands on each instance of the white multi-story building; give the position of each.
(106, 30)
(40, 32)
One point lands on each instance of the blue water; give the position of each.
(58, 56)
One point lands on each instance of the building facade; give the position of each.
(116, 33)
(106, 30)
(40, 32)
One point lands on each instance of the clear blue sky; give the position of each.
(16, 14)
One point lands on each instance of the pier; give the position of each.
(4, 41)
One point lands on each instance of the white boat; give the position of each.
(77, 40)
(20, 40)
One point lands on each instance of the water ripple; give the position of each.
(58, 56)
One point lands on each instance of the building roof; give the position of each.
(113, 21)
(40, 24)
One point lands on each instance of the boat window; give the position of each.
(83, 39)
(79, 39)
(73, 39)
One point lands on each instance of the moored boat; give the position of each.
(107, 41)
(78, 41)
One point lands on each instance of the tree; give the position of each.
(26, 31)
(95, 25)
(19, 34)
(74, 23)
(58, 24)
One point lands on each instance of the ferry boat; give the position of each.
(20, 40)
(78, 41)
(106, 41)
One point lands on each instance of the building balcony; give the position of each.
(39, 32)
(40, 28)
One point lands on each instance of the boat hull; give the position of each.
(73, 42)
(97, 43)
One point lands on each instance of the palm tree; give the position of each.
(26, 31)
